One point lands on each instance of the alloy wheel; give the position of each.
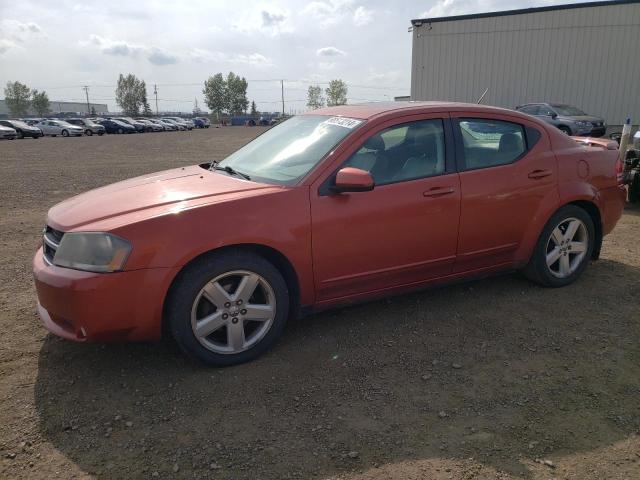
(233, 312)
(566, 247)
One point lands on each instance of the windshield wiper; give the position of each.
(231, 171)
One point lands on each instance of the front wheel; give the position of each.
(228, 308)
(120, 131)
(565, 129)
(563, 249)
(88, 132)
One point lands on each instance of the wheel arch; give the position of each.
(594, 212)
(275, 257)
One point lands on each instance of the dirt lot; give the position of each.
(489, 379)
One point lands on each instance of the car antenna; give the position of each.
(482, 96)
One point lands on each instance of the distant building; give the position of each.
(583, 54)
(402, 98)
(59, 107)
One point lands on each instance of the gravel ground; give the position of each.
(490, 379)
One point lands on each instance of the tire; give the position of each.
(543, 268)
(20, 135)
(88, 132)
(100, 134)
(65, 133)
(565, 129)
(120, 131)
(188, 303)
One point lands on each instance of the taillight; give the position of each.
(620, 171)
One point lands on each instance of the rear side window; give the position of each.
(530, 109)
(489, 143)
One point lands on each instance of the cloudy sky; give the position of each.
(60, 46)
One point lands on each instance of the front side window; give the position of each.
(489, 143)
(287, 152)
(403, 152)
(568, 111)
(531, 109)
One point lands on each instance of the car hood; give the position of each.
(149, 196)
(6, 129)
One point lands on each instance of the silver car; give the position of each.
(153, 126)
(59, 127)
(7, 133)
(571, 120)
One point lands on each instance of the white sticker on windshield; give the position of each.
(343, 122)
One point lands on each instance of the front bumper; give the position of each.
(86, 306)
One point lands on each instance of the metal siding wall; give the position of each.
(587, 57)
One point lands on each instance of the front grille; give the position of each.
(50, 243)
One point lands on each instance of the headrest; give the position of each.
(374, 143)
(510, 142)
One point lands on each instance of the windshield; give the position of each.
(568, 110)
(18, 123)
(288, 151)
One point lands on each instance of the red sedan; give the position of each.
(340, 205)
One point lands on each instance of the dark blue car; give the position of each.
(116, 126)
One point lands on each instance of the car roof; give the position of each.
(366, 111)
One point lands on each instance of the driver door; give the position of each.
(402, 232)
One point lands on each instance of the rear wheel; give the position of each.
(563, 249)
(120, 131)
(88, 132)
(65, 133)
(228, 308)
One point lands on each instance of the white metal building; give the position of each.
(584, 54)
(57, 107)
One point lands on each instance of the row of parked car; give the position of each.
(39, 127)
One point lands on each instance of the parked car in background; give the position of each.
(179, 125)
(90, 127)
(187, 124)
(59, 127)
(201, 122)
(115, 126)
(8, 133)
(151, 127)
(32, 121)
(138, 126)
(22, 129)
(165, 126)
(370, 200)
(571, 120)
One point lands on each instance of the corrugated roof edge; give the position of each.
(522, 11)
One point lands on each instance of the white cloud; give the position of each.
(5, 45)
(155, 55)
(200, 55)
(445, 8)
(362, 16)
(18, 31)
(330, 52)
(327, 13)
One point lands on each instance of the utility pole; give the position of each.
(155, 92)
(282, 90)
(86, 91)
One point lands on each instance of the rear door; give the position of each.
(506, 171)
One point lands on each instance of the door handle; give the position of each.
(438, 191)
(536, 174)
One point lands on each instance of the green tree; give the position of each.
(40, 102)
(215, 94)
(17, 96)
(237, 94)
(336, 93)
(131, 94)
(144, 103)
(254, 109)
(314, 97)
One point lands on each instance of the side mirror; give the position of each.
(554, 115)
(350, 179)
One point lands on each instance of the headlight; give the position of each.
(583, 124)
(92, 252)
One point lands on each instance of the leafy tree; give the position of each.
(314, 97)
(336, 93)
(17, 96)
(142, 91)
(254, 109)
(131, 94)
(215, 94)
(40, 102)
(237, 93)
